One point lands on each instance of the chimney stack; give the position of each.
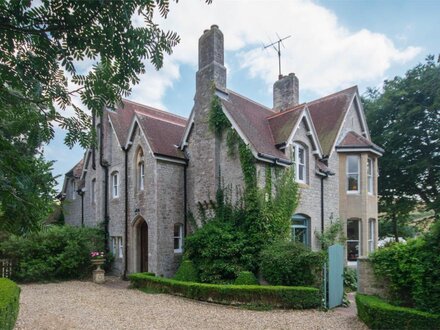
(285, 92)
(211, 59)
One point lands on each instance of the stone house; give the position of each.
(152, 168)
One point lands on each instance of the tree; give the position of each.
(404, 118)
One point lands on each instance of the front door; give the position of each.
(144, 247)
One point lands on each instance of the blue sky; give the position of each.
(334, 45)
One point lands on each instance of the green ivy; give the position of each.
(217, 120)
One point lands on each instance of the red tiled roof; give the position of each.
(354, 140)
(283, 123)
(327, 115)
(163, 136)
(252, 120)
(162, 129)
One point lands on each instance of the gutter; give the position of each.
(275, 160)
(124, 276)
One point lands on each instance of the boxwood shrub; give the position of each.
(378, 314)
(9, 303)
(186, 272)
(246, 295)
(246, 278)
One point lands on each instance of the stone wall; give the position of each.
(367, 281)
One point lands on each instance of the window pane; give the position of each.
(301, 235)
(352, 164)
(176, 243)
(352, 229)
(352, 251)
(353, 182)
(177, 230)
(300, 155)
(299, 222)
(301, 172)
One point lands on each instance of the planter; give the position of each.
(98, 263)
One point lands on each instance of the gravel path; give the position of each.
(85, 305)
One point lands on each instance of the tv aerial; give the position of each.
(276, 46)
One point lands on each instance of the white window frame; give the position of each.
(296, 147)
(141, 176)
(73, 189)
(353, 173)
(371, 234)
(114, 245)
(370, 176)
(179, 237)
(120, 248)
(115, 184)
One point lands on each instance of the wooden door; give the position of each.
(144, 247)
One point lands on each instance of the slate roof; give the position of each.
(76, 171)
(162, 129)
(283, 123)
(327, 115)
(353, 140)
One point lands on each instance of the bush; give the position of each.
(412, 271)
(9, 303)
(246, 278)
(377, 314)
(186, 272)
(291, 263)
(247, 295)
(350, 279)
(56, 253)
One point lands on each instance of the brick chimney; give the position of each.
(285, 92)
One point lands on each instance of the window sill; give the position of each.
(353, 192)
(178, 251)
(303, 185)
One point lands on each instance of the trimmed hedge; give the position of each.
(378, 314)
(186, 272)
(246, 278)
(247, 295)
(9, 303)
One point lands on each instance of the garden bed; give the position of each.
(378, 314)
(9, 303)
(244, 295)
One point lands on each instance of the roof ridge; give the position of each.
(161, 119)
(296, 107)
(155, 109)
(332, 95)
(250, 100)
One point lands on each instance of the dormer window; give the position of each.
(353, 164)
(299, 161)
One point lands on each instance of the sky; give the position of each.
(333, 45)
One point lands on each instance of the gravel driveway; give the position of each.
(85, 305)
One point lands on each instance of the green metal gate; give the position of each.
(335, 275)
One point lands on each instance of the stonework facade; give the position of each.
(151, 168)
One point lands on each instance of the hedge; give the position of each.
(246, 295)
(378, 314)
(9, 303)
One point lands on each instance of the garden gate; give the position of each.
(335, 275)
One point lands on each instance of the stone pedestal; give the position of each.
(99, 276)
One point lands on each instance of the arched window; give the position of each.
(115, 184)
(178, 238)
(300, 227)
(73, 185)
(140, 169)
(300, 162)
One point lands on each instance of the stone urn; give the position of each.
(98, 262)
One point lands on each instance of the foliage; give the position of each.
(404, 119)
(52, 254)
(291, 263)
(246, 278)
(377, 314)
(186, 272)
(26, 182)
(333, 233)
(246, 295)
(350, 279)
(217, 121)
(412, 271)
(9, 303)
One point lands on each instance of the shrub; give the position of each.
(186, 272)
(56, 253)
(291, 263)
(350, 279)
(412, 271)
(246, 278)
(378, 314)
(9, 303)
(247, 295)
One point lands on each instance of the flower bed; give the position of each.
(9, 303)
(246, 295)
(378, 314)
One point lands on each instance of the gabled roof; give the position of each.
(122, 117)
(328, 114)
(163, 136)
(76, 171)
(353, 140)
(251, 119)
(283, 123)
